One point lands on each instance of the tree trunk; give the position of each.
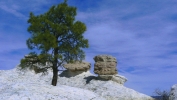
(55, 68)
(55, 76)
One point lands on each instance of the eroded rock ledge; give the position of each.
(105, 67)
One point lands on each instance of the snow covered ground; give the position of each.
(19, 85)
(173, 93)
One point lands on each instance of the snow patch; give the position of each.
(173, 93)
(26, 85)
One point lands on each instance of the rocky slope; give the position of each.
(18, 85)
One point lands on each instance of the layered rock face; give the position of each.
(173, 93)
(105, 65)
(77, 66)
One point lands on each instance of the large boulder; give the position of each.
(105, 65)
(173, 93)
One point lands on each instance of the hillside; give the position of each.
(26, 85)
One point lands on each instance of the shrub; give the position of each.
(162, 95)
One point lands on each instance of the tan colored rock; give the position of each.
(105, 77)
(105, 65)
(74, 69)
(105, 58)
(77, 66)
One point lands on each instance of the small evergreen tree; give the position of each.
(57, 36)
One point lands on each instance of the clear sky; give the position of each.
(141, 34)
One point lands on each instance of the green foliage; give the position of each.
(57, 36)
(35, 62)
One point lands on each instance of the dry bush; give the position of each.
(162, 95)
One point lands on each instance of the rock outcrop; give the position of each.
(76, 68)
(173, 93)
(105, 65)
(106, 89)
(26, 85)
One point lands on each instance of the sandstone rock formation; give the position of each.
(173, 93)
(105, 65)
(76, 68)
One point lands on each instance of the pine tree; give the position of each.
(57, 37)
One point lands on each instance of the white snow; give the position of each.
(26, 85)
(173, 93)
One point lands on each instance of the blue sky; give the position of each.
(141, 34)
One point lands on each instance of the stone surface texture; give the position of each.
(105, 65)
(77, 66)
(116, 78)
(119, 79)
(173, 93)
